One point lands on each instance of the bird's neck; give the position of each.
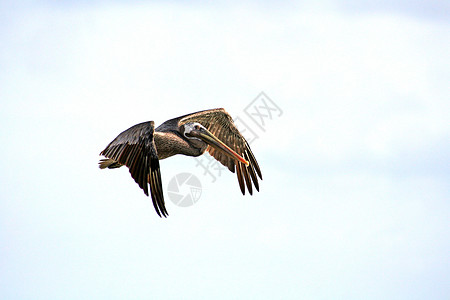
(170, 143)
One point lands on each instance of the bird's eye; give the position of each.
(197, 127)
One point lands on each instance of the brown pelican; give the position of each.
(142, 146)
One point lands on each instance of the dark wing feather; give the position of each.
(135, 148)
(220, 123)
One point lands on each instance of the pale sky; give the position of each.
(354, 202)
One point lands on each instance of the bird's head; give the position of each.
(194, 130)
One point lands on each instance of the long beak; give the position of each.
(211, 140)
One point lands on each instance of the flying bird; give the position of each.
(142, 146)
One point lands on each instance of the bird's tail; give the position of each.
(108, 163)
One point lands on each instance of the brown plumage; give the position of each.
(141, 146)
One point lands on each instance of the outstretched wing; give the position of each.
(221, 125)
(136, 149)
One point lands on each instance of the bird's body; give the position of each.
(142, 146)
